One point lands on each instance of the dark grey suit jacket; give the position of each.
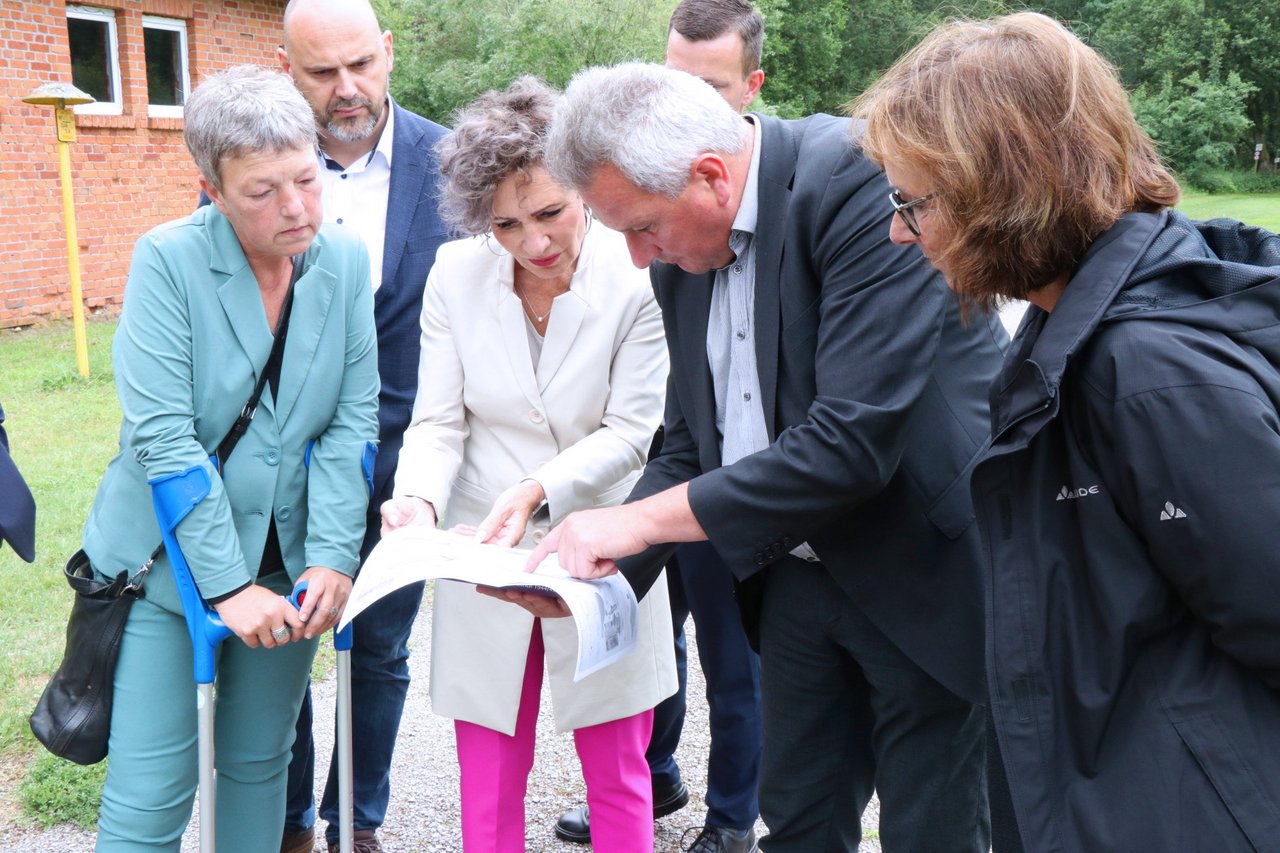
(874, 395)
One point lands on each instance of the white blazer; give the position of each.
(580, 425)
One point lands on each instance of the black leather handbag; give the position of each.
(73, 716)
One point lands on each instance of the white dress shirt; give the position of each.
(356, 197)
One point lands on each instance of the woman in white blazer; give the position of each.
(541, 384)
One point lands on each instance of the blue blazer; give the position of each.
(414, 233)
(192, 338)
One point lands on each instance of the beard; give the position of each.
(355, 129)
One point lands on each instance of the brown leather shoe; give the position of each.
(366, 841)
(299, 842)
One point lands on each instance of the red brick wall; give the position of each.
(130, 172)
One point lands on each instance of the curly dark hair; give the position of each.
(495, 135)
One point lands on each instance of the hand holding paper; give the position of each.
(604, 610)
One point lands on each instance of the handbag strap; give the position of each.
(271, 370)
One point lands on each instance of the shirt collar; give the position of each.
(749, 208)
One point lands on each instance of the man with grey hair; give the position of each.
(824, 404)
(380, 176)
(720, 42)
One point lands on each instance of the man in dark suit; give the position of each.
(17, 507)
(719, 41)
(824, 406)
(379, 177)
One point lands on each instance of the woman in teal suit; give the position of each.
(203, 297)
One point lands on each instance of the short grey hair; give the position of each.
(496, 135)
(244, 110)
(648, 121)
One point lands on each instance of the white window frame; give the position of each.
(179, 26)
(115, 106)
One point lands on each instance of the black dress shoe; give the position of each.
(669, 800)
(575, 826)
(715, 839)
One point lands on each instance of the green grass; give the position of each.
(62, 431)
(1256, 209)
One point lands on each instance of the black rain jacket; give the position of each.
(1130, 514)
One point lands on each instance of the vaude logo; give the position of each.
(1071, 494)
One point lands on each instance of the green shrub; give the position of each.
(56, 791)
(1220, 181)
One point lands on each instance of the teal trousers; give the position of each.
(152, 755)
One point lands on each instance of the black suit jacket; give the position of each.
(874, 395)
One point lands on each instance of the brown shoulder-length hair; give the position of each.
(1027, 137)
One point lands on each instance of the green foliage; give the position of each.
(1234, 181)
(1196, 121)
(1234, 47)
(819, 54)
(450, 51)
(1185, 59)
(56, 791)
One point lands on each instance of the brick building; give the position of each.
(130, 168)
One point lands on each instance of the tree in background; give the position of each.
(1205, 73)
(1194, 68)
(450, 51)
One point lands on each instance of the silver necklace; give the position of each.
(536, 316)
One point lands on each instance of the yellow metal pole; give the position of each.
(66, 123)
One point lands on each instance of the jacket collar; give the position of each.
(778, 155)
(1028, 383)
(562, 328)
(410, 165)
(242, 303)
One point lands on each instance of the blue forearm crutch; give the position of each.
(174, 496)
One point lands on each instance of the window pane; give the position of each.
(164, 66)
(91, 57)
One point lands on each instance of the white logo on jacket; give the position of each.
(1170, 512)
(1070, 494)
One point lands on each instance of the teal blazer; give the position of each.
(192, 338)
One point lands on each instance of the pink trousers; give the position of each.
(495, 775)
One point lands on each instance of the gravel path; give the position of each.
(424, 814)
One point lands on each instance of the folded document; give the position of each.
(604, 609)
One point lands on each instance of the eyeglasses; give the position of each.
(906, 209)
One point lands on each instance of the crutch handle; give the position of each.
(174, 497)
(341, 639)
